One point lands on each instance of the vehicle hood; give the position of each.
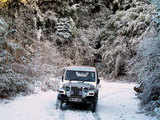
(79, 84)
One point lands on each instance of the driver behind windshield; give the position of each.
(80, 76)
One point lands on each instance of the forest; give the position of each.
(118, 37)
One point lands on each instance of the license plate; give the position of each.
(75, 100)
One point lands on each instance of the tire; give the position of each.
(93, 107)
(59, 104)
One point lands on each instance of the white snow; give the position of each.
(116, 102)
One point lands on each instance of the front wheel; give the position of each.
(93, 107)
(59, 104)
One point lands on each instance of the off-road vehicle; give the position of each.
(79, 84)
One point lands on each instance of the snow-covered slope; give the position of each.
(116, 102)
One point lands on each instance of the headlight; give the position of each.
(67, 88)
(85, 90)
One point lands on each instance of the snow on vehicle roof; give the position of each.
(81, 68)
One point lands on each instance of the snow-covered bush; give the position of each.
(121, 33)
(148, 66)
(12, 83)
(13, 80)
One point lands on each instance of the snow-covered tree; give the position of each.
(149, 61)
(149, 72)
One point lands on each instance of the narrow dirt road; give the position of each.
(116, 102)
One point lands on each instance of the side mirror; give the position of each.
(98, 81)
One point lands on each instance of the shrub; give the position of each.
(12, 84)
(148, 67)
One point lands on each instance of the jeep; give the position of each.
(79, 84)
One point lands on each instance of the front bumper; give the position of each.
(85, 100)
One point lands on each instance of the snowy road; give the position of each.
(116, 102)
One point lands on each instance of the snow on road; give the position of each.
(116, 102)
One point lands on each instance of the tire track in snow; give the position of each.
(77, 115)
(96, 116)
(61, 115)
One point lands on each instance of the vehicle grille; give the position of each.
(76, 92)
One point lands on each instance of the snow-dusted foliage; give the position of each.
(121, 34)
(12, 84)
(149, 72)
(13, 79)
(148, 64)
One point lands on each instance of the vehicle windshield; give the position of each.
(80, 76)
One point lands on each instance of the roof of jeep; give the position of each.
(81, 68)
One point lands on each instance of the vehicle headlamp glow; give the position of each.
(67, 88)
(85, 90)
